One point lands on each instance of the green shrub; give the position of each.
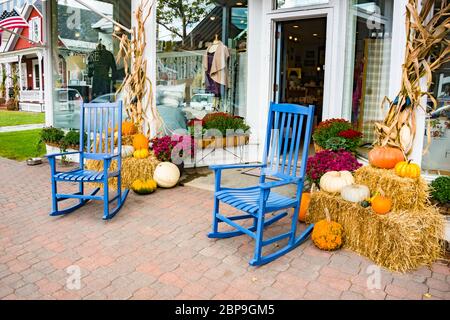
(337, 134)
(440, 189)
(223, 121)
(52, 135)
(72, 138)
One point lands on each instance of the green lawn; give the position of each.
(21, 145)
(15, 118)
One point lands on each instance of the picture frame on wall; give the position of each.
(294, 73)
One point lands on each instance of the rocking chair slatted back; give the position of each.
(98, 121)
(283, 141)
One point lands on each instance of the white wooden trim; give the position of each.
(48, 63)
(35, 62)
(23, 82)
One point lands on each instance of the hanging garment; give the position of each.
(211, 86)
(100, 62)
(216, 67)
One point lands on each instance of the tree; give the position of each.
(177, 15)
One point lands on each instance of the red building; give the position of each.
(24, 54)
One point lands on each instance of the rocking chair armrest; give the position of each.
(277, 184)
(107, 161)
(235, 166)
(54, 155)
(110, 157)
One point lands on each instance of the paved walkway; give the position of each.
(21, 127)
(156, 248)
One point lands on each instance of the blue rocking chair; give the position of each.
(97, 133)
(281, 155)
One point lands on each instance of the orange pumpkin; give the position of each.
(306, 199)
(385, 157)
(128, 128)
(381, 204)
(328, 235)
(140, 142)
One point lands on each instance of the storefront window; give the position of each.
(201, 60)
(368, 52)
(436, 158)
(84, 55)
(280, 4)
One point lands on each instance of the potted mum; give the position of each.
(327, 160)
(173, 149)
(336, 134)
(207, 130)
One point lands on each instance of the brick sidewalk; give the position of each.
(156, 248)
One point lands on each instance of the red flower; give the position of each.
(350, 134)
(328, 123)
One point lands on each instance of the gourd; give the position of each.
(144, 187)
(306, 199)
(406, 169)
(385, 157)
(141, 154)
(140, 141)
(166, 175)
(334, 181)
(381, 204)
(328, 235)
(355, 193)
(127, 151)
(128, 128)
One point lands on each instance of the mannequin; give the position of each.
(215, 44)
(216, 70)
(100, 63)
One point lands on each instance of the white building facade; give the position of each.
(343, 56)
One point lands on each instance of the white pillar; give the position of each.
(150, 50)
(49, 63)
(8, 79)
(20, 72)
(41, 82)
(398, 47)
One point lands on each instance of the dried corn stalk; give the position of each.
(427, 48)
(136, 85)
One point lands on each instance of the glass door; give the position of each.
(300, 63)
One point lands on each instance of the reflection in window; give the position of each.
(437, 136)
(368, 63)
(84, 51)
(298, 3)
(201, 60)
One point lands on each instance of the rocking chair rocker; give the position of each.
(281, 155)
(99, 138)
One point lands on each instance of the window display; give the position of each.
(85, 44)
(201, 60)
(368, 63)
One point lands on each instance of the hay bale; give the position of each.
(399, 241)
(132, 169)
(406, 193)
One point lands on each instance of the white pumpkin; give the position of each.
(127, 151)
(355, 193)
(166, 175)
(334, 181)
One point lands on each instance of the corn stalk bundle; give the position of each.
(137, 87)
(427, 49)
